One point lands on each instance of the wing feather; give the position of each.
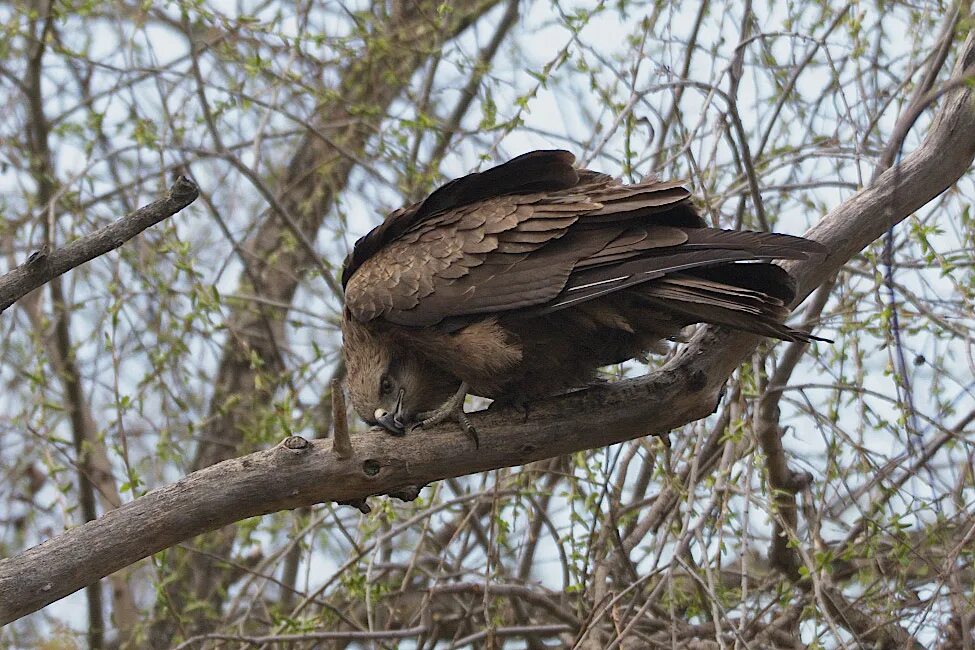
(536, 171)
(433, 272)
(531, 237)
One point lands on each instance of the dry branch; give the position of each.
(43, 266)
(341, 444)
(295, 475)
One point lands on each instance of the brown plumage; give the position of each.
(522, 280)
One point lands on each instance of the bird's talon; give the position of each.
(453, 410)
(468, 428)
(472, 432)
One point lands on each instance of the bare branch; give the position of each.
(43, 266)
(341, 444)
(307, 636)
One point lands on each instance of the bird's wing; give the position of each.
(484, 244)
(512, 252)
(628, 262)
(535, 171)
(453, 263)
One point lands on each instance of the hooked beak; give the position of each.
(393, 422)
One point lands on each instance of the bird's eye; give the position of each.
(385, 385)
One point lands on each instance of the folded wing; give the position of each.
(536, 236)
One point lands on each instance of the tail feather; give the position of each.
(593, 283)
(769, 244)
(761, 277)
(735, 304)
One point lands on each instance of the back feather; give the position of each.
(535, 171)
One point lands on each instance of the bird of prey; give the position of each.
(521, 281)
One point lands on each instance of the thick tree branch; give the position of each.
(784, 483)
(302, 473)
(43, 266)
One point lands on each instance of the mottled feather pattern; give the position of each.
(525, 278)
(498, 232)
(536, 171)
(497, 228)
(424, 275)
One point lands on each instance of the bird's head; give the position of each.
(390, 386)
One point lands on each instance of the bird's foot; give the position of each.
(452, 409)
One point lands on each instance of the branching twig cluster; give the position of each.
(794, 496)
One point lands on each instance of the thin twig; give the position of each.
(352, 635)
(341, 443)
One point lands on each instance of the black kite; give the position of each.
(521, 281)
